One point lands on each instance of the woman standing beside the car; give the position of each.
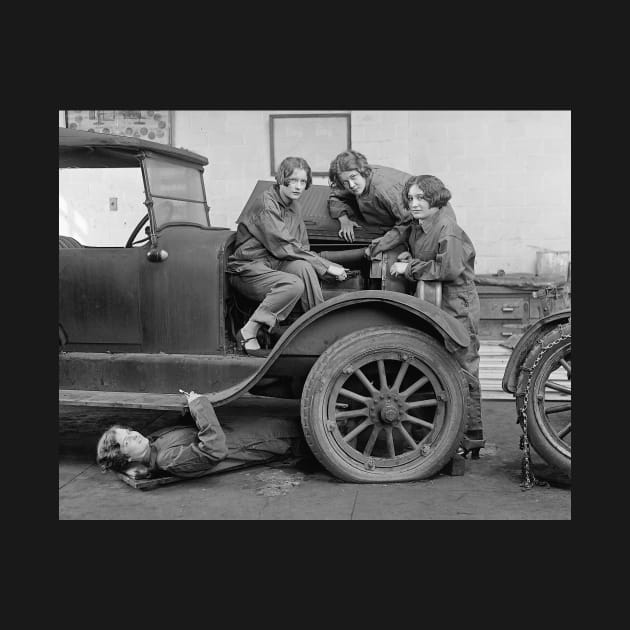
(272, 262)
(439, 250)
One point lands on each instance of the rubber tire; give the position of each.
(358, 345)
(540, 438)
(68, 242)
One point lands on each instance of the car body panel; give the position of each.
(224, 378)
(324, 324)
(99, 290)
(153, 373)
(143, 321)
(116, 299)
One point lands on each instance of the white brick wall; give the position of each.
(510, 176)
(509, 172)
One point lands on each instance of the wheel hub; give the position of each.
(389, 412)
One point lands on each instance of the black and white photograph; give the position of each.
(315, 314)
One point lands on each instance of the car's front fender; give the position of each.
(525, 344)
(321, 326)
(346, 313)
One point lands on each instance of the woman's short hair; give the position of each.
(435, 192)
(108, 453)
(348, 161)
(286, 168)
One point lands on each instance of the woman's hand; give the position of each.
(398, 268)
(347, 228)
(190, 396)
(338, 271)
(137, 471)
(404, 257)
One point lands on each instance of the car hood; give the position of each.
(319, 224)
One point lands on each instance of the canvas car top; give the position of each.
(319, 224)
(86, 148)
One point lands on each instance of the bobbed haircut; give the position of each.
(286, 168)
(348, 161)
(435, 192)
(108, 455)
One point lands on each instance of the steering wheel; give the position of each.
(130, 240)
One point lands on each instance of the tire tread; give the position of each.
(318, 374)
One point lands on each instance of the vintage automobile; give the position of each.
(382, 398)
(538, 370)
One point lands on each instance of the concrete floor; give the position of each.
(298, 490)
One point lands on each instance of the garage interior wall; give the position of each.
(509, 173)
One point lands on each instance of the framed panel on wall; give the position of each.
(149, 124)
(317, 138)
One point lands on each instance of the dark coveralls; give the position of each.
(186, 451)
(442, 251)
(272, 262)
(380, 205)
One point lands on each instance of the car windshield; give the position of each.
(177, 192)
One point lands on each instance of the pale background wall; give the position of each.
(509, 173)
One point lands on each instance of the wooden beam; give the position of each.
(134, 400)
(169, 402)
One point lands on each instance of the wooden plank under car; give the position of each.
(135, 400)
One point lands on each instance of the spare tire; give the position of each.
(67, 242)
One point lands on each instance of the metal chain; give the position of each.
(528, 479)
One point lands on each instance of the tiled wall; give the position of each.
(509, 171)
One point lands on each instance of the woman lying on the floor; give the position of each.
(187, 451)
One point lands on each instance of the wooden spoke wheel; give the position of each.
(549, 400)
(384, 404)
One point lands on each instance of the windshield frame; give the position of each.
(145, 162)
